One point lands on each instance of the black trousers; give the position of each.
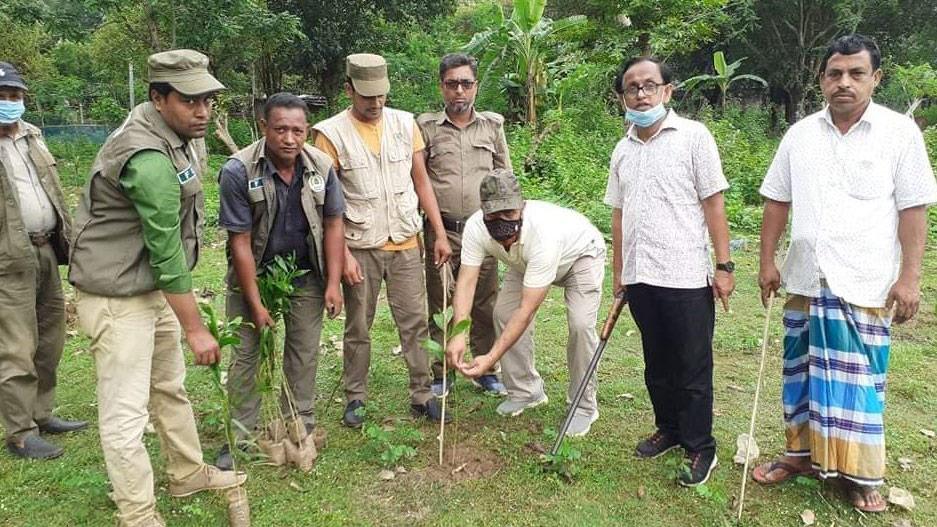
(677, 334)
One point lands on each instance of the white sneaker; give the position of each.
(581, 424)
(515, 408)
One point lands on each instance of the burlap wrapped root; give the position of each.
(290, 443)
(239, 510)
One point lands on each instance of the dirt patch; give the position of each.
(462, 462)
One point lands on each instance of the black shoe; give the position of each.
(35, 447)
(352, 417)
(60, 426)
(701, 465)
(432, 410)
(655, 446)
(225, 460)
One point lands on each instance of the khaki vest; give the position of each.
(16, 251)
(263, 199)
(108, 255)
(380, 201)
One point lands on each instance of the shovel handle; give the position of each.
(620, 300)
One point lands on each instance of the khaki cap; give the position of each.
(185, 70)
(499, 191)
(368, 73)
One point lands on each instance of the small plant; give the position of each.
(717, 496)
(443, 321)
(226, 334)
(390, 446)
(563, 463)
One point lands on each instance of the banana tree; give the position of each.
(723, 79)
(523, 44)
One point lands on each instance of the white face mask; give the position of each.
(646, 118)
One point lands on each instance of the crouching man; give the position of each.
(542, 244)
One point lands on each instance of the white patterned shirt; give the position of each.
(552, 238)
(659, 185)
(845, 192)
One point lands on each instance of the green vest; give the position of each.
(263, 199)
(16, 251)
(108, 255)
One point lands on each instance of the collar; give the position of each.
(444, 117)
(271, 171)
(22, 130)
(152, 115)
(871, 115)
(671, 122)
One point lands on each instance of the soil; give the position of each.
(461, 462)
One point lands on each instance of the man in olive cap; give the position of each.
(141, 216)
(377, 152)
(34, 232)
(542, 244)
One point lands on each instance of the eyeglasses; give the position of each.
(466, 84)
(650, 88)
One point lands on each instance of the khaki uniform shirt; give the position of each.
(458, 158)
(36, 209)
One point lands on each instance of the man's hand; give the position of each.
(352, 274)
(203, 346)
(333, 301)
(619, 287)
(262, 318)
(905, 298)
(723, 286)
(441, 251)
(455, 350)
(769, 280)
(479, 366)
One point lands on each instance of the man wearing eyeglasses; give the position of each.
(665, 186)
(462, 147)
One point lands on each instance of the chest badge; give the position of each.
(316, 183)
(256, 183)
(186, 175)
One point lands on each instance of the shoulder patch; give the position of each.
(257, 182)
(186, 175)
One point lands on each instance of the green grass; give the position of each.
(503, 484)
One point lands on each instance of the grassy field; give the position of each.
(492, 474)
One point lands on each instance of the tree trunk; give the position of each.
(222, 133)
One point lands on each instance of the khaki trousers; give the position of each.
(583, 295)
(300, 355)
(32, 336)
(406, 295)
(139, 364)
(482, 333)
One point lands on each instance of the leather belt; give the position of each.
(453, 225)
(40, 238)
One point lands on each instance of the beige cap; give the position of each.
(499, 191)
(368, 73)
(185, 70)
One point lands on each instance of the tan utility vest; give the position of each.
(108, 255)
(16, 251)
(380, 201)
(262, 192)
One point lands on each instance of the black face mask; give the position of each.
(501, 230)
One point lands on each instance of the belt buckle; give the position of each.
(39, 239)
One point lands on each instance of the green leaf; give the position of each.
(461, 327)
(719, 62)
(433, 347)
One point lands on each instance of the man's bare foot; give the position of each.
(866, 498)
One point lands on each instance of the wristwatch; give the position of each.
(728, 267)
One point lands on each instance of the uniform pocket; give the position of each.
(358, 218)
(354, 175)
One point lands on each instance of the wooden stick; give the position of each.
(446, 271)
(751, 425)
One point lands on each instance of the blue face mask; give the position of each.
(647, 118)
(11, 111)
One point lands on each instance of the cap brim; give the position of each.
(13, 84)
(197, 85)
(498, 205)
(371, 88)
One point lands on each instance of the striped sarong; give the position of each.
(835, 359)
